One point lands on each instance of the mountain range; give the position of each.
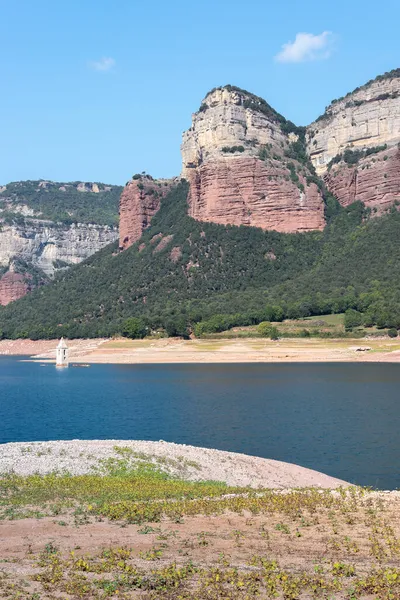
(264, 214)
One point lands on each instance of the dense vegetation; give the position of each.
(183, 272)
(61, 202)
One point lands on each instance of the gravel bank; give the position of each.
(81, 456)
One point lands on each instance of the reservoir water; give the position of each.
(342, 419)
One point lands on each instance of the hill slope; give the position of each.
(183, 271)
(46, 226)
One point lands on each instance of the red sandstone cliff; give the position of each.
(139, 202)
(243, 166)
(12, 286)
(375, 180)
(247, 191)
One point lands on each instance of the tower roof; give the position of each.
(62, 344)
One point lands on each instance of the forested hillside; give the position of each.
(183, 271)
(66, 203)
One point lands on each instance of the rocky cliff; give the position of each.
(374, 180)
(13, 286)
(247, 165)
(37, 234)
(49, 247)
(354, 144)
(139, 202)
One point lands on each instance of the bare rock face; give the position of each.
(375, 181)
(49, 247)
(354, 144)
(247, 191)
(12, 286)
(140, 200)
(365, 118)
(241, 160)
(35, 235)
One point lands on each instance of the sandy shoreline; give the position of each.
(244, 350)
(189, 462)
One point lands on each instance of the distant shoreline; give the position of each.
(208, 351)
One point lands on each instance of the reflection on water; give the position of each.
(342, 419)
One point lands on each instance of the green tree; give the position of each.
(134, 328)
(352, 319)
(177, 326)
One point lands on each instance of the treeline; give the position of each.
(208, 278)
(66, 205)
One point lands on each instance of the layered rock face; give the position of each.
(140, 200)
(246, 191)
(13, 286)
(368, 117)
(354, 145)
(375, 181)
(239, 158)
(34, 237)
(49, 247)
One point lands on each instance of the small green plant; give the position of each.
(282, 527)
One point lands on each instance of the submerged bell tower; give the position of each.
(62, 354)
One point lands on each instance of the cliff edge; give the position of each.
(247, 165)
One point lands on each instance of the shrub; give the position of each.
(264, 329)
(305, 333)
(263, 153)
(232, 149)
(392, 333)
(274, 333)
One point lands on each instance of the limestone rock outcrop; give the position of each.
(241, 160)
(354, 145)
(365, 118)
(140, 200)
(35, 234)
(48, 247)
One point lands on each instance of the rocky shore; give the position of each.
(78, 457)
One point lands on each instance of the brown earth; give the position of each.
(351, 543)
(175, 350)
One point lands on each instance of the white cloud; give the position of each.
(104, 64)
(306, 46)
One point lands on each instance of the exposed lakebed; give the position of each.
(341, 419)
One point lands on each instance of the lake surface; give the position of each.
(341, 419)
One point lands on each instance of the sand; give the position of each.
(163, 351)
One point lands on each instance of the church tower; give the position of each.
(62, 354)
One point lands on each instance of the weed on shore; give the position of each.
(195, 540)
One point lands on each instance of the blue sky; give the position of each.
(97, 90)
